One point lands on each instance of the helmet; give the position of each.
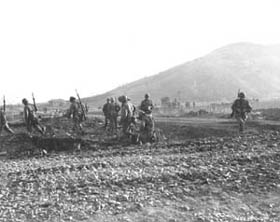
(72, 99)
(24, 101)
(241, 95)
(123, 99)
(147, 95)
(120, 98)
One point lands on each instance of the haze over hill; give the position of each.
(255, 69)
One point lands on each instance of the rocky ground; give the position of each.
(202, 173)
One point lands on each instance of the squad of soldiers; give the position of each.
(129, 114)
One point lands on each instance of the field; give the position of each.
(203, 171)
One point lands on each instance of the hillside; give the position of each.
(215, 77)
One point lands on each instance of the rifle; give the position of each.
(4, 104)
(81, 105)
(34, 103)
(86, 107)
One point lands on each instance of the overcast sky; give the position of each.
(53, 47)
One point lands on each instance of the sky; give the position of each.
(53, 47)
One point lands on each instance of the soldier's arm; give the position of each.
(249, 108)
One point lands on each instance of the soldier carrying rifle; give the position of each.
(76, 113)
(3, 120)
(240, 109)
(30, 117)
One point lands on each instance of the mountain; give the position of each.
(255, 69)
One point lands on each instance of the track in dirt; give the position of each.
(201, 179)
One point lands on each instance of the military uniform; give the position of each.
(4, 123)
(127, 114)
(147, 105)
(240, 109)
(75, 112)
(106, 112)
(147, 121)
(31, 119)
(114, 109)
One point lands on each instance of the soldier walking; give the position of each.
(4, 123)
(31, 119)
(147, 120)
(240, 109)
(76, 114)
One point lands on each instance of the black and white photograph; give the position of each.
(140, 111)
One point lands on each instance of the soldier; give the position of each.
(76, 113)
(31, 119)
(106, 113)
(240, 109)
(114, 109)
(147, 121)
(127, 114)
(147, 104)
(4, 123)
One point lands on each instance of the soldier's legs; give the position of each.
(36, 124)
(143, 131)
(8, 129)
(29, 127)
(150, 126)
(241, 123)
(125, 127)
(78, 127)
(39, 128)
(115, 122)
(106, 121)
(111, 125)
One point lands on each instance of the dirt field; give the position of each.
(204, 171)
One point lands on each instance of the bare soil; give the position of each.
(204, 171)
